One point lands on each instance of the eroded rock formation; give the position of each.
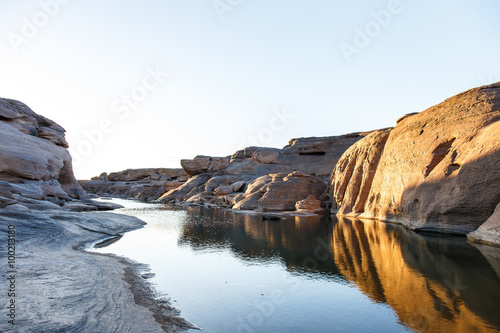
(35, 166)
(353, 175)
(141, 184)
(237, 181)
(436, 170)
(279, 192)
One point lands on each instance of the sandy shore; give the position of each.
(57, 286)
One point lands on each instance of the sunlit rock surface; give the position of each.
(437, 170)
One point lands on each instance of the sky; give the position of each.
(141, 84)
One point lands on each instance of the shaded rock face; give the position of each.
(34, 161)
(489, 231)
(279, 192)
(438, 170)
(145, 185)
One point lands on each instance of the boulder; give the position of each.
(266, 155)
(79, 207)
(193, 186)
(204, 164)
(223, 190)
(279, 192)
(310, 204)
(237, 186)
(103, 176)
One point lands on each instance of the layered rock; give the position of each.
(141, 184)
(436, 170)
(279, 192)
(162, 174)
(206, 189)
(204, 164)
(310, 157)
(34, 163)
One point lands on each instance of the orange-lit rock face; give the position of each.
(439, 168)
(401, 270)
(436, 170)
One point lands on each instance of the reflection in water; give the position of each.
(432, 283)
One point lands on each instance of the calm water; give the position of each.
(236, 273)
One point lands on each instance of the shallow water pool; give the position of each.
(237, 273)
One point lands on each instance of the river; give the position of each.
(236, 273)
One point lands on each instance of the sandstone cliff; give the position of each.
(436, 170)
(35, 166)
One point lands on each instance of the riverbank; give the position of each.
(57, 286)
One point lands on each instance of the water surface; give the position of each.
(237, 273)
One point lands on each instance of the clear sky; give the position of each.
(146, 83)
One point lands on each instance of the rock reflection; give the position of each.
(434, 284)
(292, 241)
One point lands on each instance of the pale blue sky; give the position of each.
(228, 77)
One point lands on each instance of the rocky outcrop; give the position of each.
(437, 171)
(140, 184)
(279, 192)
(353, 175)
(206, 189)
(225, 181)
(34, 161)
(162, 174)
(39, 198)
(204, 164)
(315, 156)
(310, 204)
